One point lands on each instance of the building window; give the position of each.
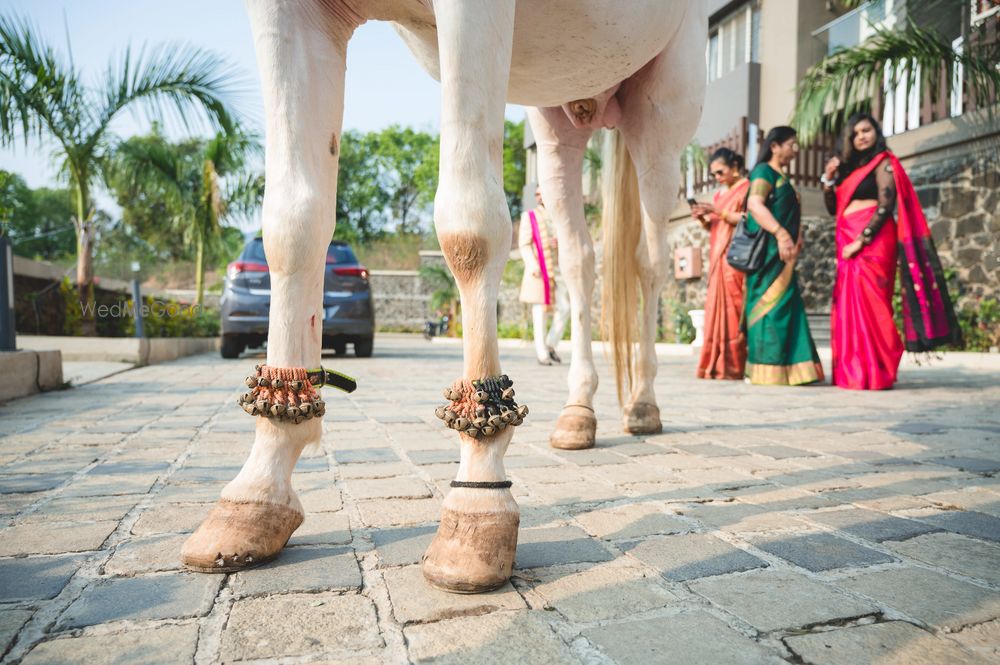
(857, 25)
(734, 40)
(713, 57)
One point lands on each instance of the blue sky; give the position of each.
(384, 84)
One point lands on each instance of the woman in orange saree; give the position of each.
(724, 353)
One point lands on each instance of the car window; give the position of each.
(254, 251)
(340, 254)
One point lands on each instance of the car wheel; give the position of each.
(363, 347)
(340, 348)
(232, 346)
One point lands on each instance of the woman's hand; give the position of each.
(699, 213)
(830, 170)
(851, 249)
(705, 209)
(787, 249)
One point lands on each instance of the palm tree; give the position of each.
(847, 80)
(199, 184)
(43, 97)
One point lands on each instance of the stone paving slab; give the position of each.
(591, 592)
(893, 643)
(770, 600)
(871, 525)
(690, 556)
(147, 554)
(695, 638)
(150, 597)
(55, 538)
(927, 596)
(867, 522)
(540, 547)
(500, 638)
(960, 554)
(11, 622)
(275, 626)
(301, 569)
(820, 551)
(36, 578)
(977, 525)
(165, 645)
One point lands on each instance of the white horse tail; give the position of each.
(622, 227)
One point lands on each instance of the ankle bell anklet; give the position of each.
(482, 407)
(289, 394)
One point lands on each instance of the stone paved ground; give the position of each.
(808, 525)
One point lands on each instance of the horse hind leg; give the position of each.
(657, 123)
(302, 70)
(473, 550)
(561, 150)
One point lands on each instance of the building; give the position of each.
(759, 50)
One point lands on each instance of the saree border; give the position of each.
(771, 296)
(798, 374)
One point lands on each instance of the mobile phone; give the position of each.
(692, 202)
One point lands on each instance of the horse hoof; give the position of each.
(472, 552)
(642, 418)
(576, 429)
(237, 536)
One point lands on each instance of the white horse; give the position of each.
(580, 64)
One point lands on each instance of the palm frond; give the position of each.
(848, 80)
(39, 92)
(243, 195)
(184, 79)
(140, 167)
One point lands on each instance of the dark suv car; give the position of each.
(348, 312)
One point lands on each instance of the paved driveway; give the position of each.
(763, 525)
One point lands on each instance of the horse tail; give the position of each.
(622, 227)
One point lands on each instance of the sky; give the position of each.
(384, 84)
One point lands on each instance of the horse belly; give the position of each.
(572, 49)
(565, 50)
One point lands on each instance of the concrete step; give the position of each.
(819, 326)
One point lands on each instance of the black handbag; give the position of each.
(746, 250)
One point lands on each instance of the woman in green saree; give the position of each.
(780, 350)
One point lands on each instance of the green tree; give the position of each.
(513, 165)
(197, 185)
(847, 80)
(38, 221)
(45, 98)
(361, 199)
(408, 165)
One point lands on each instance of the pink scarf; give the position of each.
(536, 235)
(928, 315)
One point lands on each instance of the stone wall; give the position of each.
(401, 302)
(961, 199)
(817, 265)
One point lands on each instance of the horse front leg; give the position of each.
(301, 55)
(657, 123)
(474, 547)
(561, 148)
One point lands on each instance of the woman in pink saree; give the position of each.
(880, 222)
(724, 353)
